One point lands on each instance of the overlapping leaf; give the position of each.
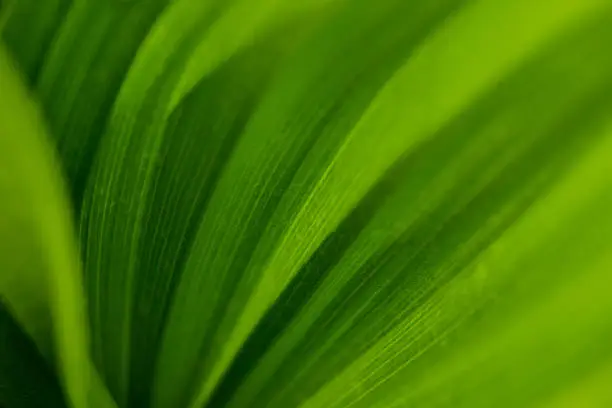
(40, 281)
(328, 203)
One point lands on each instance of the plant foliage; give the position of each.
(305, 203)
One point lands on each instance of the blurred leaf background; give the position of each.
(305, 203)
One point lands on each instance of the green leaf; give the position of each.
(467, 185)
(259, 229)
(312, 89)
(40, 281)
(29, 29)
(115, 201)
(185, 176)
(315, 204)
(86, 63)
(546, 275)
